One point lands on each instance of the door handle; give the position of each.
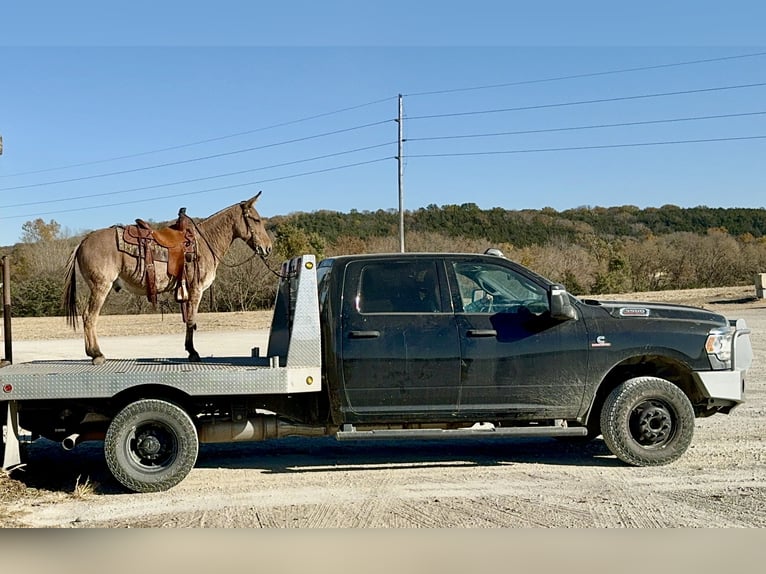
(481, 333)
(363, 334)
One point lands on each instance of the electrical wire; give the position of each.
(430, 116)
(196, 179)
(193, 160)
(582, 102)
(584, 75)
(587, 127)
(382, 100)
(198, 192)
(200, 142)
(420, 117)
(346, 166)
(577, 148)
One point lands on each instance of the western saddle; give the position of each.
(176, 244)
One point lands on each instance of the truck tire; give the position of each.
(151, 445)
(647, 421)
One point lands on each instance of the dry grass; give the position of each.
(85, 489)
(724, 300)
(12, 491)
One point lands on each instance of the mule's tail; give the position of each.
(69, 299)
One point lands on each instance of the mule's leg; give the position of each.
(189, 344)
(96, 300)
(195, 296)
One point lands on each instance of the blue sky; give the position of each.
(108, 114)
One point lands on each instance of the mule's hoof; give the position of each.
(100, 360)
(194, 358)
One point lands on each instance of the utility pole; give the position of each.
(6, 286)
(400, 158)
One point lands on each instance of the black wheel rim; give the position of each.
(152, 446)
(652, 423)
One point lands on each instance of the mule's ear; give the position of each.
(252, 200)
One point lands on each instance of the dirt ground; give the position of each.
(306, 483)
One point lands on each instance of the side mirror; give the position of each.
(560, 304)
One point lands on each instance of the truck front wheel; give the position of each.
(647, 421)
(151, 445)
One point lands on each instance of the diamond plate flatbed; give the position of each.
(293, 364)
(224, 376)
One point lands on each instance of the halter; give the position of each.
(247, 218)
(256, 250)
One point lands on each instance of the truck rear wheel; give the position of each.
(647, 421)
(151, 445)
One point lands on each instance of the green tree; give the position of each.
(292, 240)
(38, 268)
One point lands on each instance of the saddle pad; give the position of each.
(159, 253)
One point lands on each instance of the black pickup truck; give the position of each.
(420, 345)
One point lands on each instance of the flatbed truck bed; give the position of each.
(292, 365)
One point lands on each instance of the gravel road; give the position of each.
(305, 483)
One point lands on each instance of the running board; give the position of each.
(481, 433)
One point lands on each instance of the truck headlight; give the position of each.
(719, 343)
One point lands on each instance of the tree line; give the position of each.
(591, 250)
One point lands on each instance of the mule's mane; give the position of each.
(220, 211)
(218, 230)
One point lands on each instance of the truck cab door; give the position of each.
(400, 345)
(516, 358)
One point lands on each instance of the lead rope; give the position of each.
(277, 273)
(202, 235)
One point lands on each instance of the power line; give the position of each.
(584, 75)
(581, 102)
(193, 160)
(366, 148)
(198, 179)
(588, 127)
(209, 190)
(577, 148)
(347, 166)
(431, 116)
(200, 142)
(382, 100)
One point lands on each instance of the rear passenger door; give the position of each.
(400, 345)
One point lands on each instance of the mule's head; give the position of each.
(254, 231)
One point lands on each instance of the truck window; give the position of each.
(323, 280)
(398, 287)
(490, 288)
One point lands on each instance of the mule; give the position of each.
(101, 263)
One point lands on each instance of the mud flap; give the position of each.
(12, 456)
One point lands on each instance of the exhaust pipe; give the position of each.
(76, 438)
(262, 427)
(71, 441)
